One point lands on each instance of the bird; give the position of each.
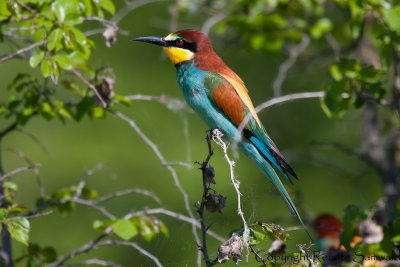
(219, 96)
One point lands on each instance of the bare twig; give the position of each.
(94, 262)
(30, 216)
(131, 6)
(217, 137)
(91, 86)
(98, 243)
(33, 11)
(21, 51)
(33, 27)
(396, 78)
(85, 248)
(333, 44)
(126, 192)
(163, 162)
(82, 183)
(211, 22)
(37, 174)
(257, 256)
(276, 101)
(200, 209)
(9, 129)
(16, 171)
(294, 53)
(170, 102)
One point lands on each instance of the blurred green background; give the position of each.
(329, 180)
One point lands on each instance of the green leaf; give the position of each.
(49, 254)
(63, 8)
(4, 12)
(46, 111)
(45, 67)
(24, 116)
(396, 239)
(320, 27)
(123, 100)
(125, 229)
(164, 229)
(107, 5)
(88, 7)
(63, 61)
(102, 226)
(391, 15)
(19, 230)
(88, 193)
(3, 214)
(16, 208)
(83, 107)
(54, 38)
(98, 112)
(11, 186)
(64, 111)
(36, 59)
(336, 73)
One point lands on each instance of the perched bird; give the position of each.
(220, 98)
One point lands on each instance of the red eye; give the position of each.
(179, 42)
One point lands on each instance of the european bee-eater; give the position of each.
(219, 97)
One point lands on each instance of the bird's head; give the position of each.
(180, 46)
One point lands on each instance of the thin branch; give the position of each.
(276, 101)
(33, 137)
(258, 257)
(211, 22)
(126, 192)
(33, 27)
(91, 86)
(294, 53)
(217, 137)
(98, 243)
(30, 216)
(21, 51)
(94, 262)
(131, 6)
(163, 162)
(200, 209)
(133, 245)
(333, 44)
(179, 163)
(362, 156)
(170, 102)
(89, 203)
(37, 174)
(16, 171)
(9, 129)
(396, 78)
(33, 11)
(85, 248)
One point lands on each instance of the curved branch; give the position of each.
(21, 51)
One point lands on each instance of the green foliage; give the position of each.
(350, 82)
(148, 227)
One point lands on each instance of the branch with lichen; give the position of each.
(217, 137)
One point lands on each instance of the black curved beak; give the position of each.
(152, 40)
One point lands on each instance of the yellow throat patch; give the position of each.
(177, 55)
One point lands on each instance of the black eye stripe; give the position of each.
(185, 45)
